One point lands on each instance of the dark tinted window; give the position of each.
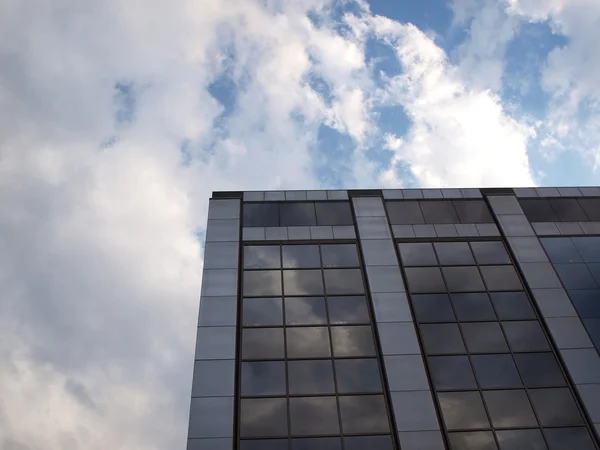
(363, 414)
(591, 206)
(305, 311)
(404, 213)
(593, 328)
(501, 278)
(463, 410)
(538, 210)
(368, 442)
(300, 256)
(309, 342)
(442, 338)
(352, 341)
(473, 307)
(417, 254)
(509, 409)
(311, 377)
(333, 213)
(575, 276)
(539, 369)
(555, 407)
(569, 438)
(496, 371)
(262, 257)
(343, 281)
(339, 255)
(262, 312)
(561, 250)
(433, 308)
(260, 215)
(296, 214)
(302, 282)
(259, 283)
(588, 247)
(472, 211)
(425, 279)
(521, 439)
(473, 440)
(491, 252)
(568, 209)
(357, 375)
(263, 378)
(484, 337)
(454, 253)
(347, 310)
(313, 415)
(262, 343)
(328, 443)
(264, 444)
(463, 279)
(451, 372)
(439, 212)
(512, 305)
(263, 417)
(525, 336)
(587, 302)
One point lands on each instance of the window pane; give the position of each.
(311, 377)
(484, 337)
(300, 256)
(591, 206)
(463, 279)
(593, 328)
(569, 438)
(310, 342)
(509, 409)
(491, 252)
(539, 369)
(417, 254)
(473, 440)
(343, 310)
(451, 372)
(339, 255)
(313, 415)
(260, 283)
(561, 250)
(512, 305)
(302, 282)
(555, 407)
(521, 439)
(262, 257)
(442, 339)
(343, 281)
(473, 211)
(263, 417)
(305, 311)
(575, 276)
(297, 214)
(501, 278)
(363, 414)
(463, 410)
(328, 443)
(368, 442)
(496, 371)
(404, 213)
(425, 279)
(263, 378)
(568, 209)
(262, 343)
(262, 312)
(264, 444)
(433, 308)
(525, 336)
(587, 302)
(352, 341)
(334, 213)
(439, 211)
(454, 253)
(260, 215)
(538, 210)
(357, 375)
(473, 307)
(588, 247)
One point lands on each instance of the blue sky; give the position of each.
(118, 119)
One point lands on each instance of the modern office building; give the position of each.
(413, 319)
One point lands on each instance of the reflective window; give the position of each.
(463, 279)
(425, 279)
(454, 253)
(521, 439)
(417, 254)
(525, 336)
(264, 444)
(561, 250)
(568, 209)
(509, 409)
(311, 377)
(343, 281)
(588, 247)
(310, 342)
(569, 438)
(501, 278)
(262, 257)
(363, 414)
(575, 276)
(352, 341)
(463, 410)
(262, 343)
(333, 213)
(593, 328)
(539, 369)
(538, 210)
(473, 307)
(368, 442)
(441, 211)
(555, 407)
(300, 256)
(473, 440)
(496, 371)
(313, 416)
(357, 375)
(451, 372)
(586, 302)
(348, 310)
(404, 213)
(442, 338)
(328, 443)
(305, 311)
(263, 417)
(473, 211)
(591, 206)
(262, 312)
(490, 252)
(260, 283)
(484, 337)
(433, 308)
(512, 305)
(302, 282)
(260, 215)
(263, 378)
(339, 255)
(297, 214)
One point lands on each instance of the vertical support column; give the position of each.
(212, 406)
(415, 415)
(566, 329)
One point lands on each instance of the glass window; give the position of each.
(463, 410)
(262, 312)
(311, 377)
(441, 211)
(561, 250)
(263, 417)
(454, 253)
(404, 213)
(442, 338)
(302, 282)
(313, 416)
(587, 302)
(260, 215)
(484, 337)
(417, 254)
(264, 444)
(593, 328)
(305, 311)
(357, 375)
(594, 268)
(588, 247)
(328, 443)
(294, 214)
(451, 372)
(371, 442)
(463, 279)
(575, 276)
(512, 305)
(352, 341)
(569, 438)
(262, 343)
(591, 206)
(363, 414)
(433, 308)
(473, 440)
(348, 310)
(521, 439)
(568, 209)
(473, 307)
(496, 371)
(509, 409)
(539, 369)
(343, 281)
(262, 257)
(263, 378)
(501, 278)
(261, 283)
(425, 279)
(309, 342)
(339, 255)
(300, 256)
(473, 211)
(525, 336)
(334, 213)
(490, 252)
(555, 407)
(538, 210)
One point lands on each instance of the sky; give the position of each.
(119, 118)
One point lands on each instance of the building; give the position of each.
(400, 319)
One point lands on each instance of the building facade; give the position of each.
(415, 319)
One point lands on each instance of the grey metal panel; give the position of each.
(487, 229)
(406, 373)
(337, 195)
(445, 230)
(213, 378)
(276, 233)
(298, 233)
(227, 230)
(590, 227)
(546, 229)
(424, 231)
(569, 192)
(368, 207)
(322, 232)
(432, 193)
(569, 228)
(274, 196)
(592, 191)
(295, 195)
(466, 229)
(393, 194)
(515, 225)
(215, 343)
(590, 394)
(414, 411)
(548, 192)
(554, 303)
(218, 311)
(210, 444)
(316, 195)
(391, 307)
(525, 192)
(412, 193)
(527, 249)
(211, 417)
(398, 338)
(452, 193)
(421, 440)
(505, 204)
(221, 255)
(343, 232)
(219, 282)
(224, 209)
(568, 332)
(471, 193)
(379, 252)
(385, 279)
(540, 275)
(583, 364)
(254, 196)
(253, 234)
(403, 231)
(373, 228)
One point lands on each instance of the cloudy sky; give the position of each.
(118, 119)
